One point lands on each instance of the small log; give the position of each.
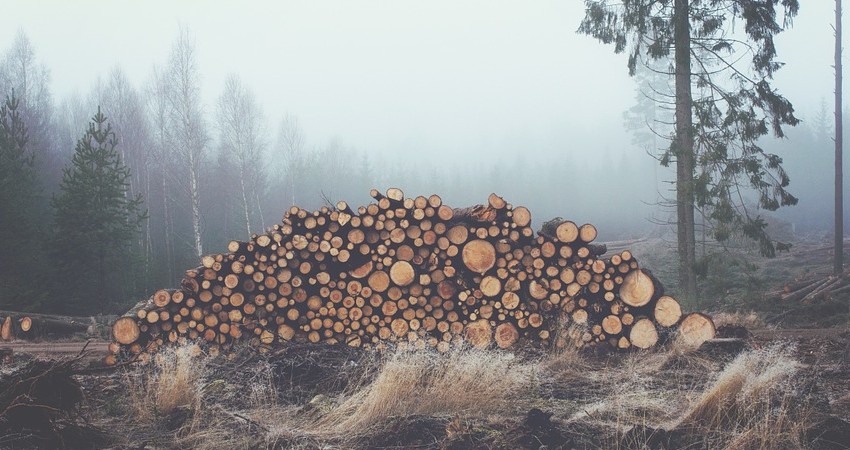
(667, 311)
(32, 327)
(7, 330)
(804, 291)
(479, 256)
(479, 333)
(695, 329)
(506, 335)
(643, 334)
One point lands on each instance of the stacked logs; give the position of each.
(410, 271)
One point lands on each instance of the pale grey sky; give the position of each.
(447, 77)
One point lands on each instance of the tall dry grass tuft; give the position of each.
(171, 380)
(463, 382)
(565, 359)
(753, 403)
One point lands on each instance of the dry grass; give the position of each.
(565, 360)
(171, 380)
(752, 403)
(462, 382)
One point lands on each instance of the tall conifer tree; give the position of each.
(97, 221)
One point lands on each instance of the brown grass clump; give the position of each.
(171, 380)
(565, 360)
(463, 383)
(752, 403)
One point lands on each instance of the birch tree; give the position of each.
(290, 145)
(187, 123)
(241, 135)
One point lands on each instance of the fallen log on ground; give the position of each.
(16, 325)
(410, 271)
(815, 287)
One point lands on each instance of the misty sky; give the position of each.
(467, 79)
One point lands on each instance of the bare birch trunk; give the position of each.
(244, 197)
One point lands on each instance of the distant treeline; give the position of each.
(200, 175)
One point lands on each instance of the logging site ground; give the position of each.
(776, 377)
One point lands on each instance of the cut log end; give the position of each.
(637, 288)
(667, 311)
(506, 335)
(587, 233)
(521, 216)
(402, 273)
(479, 256)
(479, 334)
(567, 232)
(695, 329)
(7, 330)
(643, 334)
(125, 330)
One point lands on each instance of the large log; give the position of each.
(637, 288)
(695, 329)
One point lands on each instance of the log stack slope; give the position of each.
(411, 271)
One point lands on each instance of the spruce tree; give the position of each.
(96, 224)
(20, 234)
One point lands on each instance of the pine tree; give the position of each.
(96, 224)
(723, 106)
(20, 234)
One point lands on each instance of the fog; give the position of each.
(478, 95)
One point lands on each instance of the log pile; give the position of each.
(809, 289)
(410, 271)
